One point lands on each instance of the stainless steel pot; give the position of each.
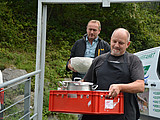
(78, 85)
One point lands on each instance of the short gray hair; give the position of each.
(125, 30)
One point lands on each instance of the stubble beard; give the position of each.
(115, 52)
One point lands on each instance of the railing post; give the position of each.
(27, 93)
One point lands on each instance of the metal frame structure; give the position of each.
(41, 43)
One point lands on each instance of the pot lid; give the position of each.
(78, 82)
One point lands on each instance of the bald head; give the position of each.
(120, 41)
(122, 31)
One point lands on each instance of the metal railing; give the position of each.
(26, 79)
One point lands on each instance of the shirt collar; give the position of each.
(93, 40)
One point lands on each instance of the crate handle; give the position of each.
(107, 97)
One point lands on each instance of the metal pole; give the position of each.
(38, 54)
(43, 46)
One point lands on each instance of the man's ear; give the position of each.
(99, 30)
(128, 44)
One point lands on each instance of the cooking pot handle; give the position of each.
(94, 87)
(63, 84)
(77, 78)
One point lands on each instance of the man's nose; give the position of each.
(116, 44)
(91, 31)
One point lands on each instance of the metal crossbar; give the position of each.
(5, 84)
(14, 85)
(24, 116)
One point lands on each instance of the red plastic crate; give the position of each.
(85, 102)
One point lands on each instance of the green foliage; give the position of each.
(17, 26)
(141, 21)
(147, 34)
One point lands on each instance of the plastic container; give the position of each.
(1, 103)
(85, 102)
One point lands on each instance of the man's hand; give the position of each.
(134, 87)
(82, 80)
(70, 66)
(114, 90)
